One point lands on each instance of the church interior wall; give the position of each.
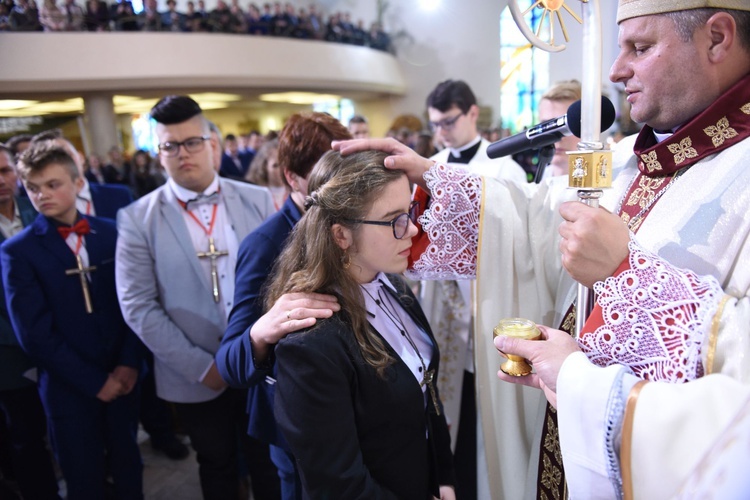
(457, 39)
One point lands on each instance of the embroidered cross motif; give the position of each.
(720, 132)
(683, 150)
(652, 163)
(746, 109)
(645, 191)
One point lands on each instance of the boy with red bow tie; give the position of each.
(59, 283)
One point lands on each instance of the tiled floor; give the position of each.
(165, 479)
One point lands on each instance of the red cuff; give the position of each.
(421, 241)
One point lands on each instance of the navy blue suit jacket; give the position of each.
(109, 198)
(13, 362)
(74, 351)
(234, 359)
(229, 168)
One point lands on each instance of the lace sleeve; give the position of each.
(452, 225)
(655, 319)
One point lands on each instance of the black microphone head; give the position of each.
(573, 117)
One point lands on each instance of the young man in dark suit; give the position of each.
(105, 200)
(59, 282)
(234, 163)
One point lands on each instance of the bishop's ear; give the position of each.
(342, 236)
(722, 31)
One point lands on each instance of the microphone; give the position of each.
(550, 131)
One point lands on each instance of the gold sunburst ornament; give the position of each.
(552, 8)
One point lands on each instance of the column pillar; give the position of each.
(101, 123)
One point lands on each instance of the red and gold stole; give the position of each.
(722, 125)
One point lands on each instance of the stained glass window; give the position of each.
(524, 69)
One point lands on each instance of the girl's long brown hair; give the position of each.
(341, 189)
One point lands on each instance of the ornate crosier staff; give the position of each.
(589, 168)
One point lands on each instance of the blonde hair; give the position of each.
(42, 154)
(566, 90)
(258, 171)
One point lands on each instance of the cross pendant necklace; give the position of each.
(81, 271)
(428, 377)
(212, 254)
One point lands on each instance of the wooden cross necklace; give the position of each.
(212, 254)
(81, 271)
(428, 378)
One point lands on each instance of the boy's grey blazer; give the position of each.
(165, 294)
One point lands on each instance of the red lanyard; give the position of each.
(210, 225)
(79, 242)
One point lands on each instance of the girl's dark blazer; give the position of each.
(354, 434)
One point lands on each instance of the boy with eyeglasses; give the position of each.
(175, 280)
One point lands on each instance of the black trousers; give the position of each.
(218, 430)
(465, 457)
(31, 461)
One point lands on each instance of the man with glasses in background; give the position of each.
(175, 266)
(453, 112)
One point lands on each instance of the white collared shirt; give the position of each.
(84, 203)
(391, 331)
(72, 242)
(662, 136)
(11, 227)
(223, 234)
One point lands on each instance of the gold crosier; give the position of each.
(589, 168)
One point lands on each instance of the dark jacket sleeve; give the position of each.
(31, 318)
(313, 408)
(234, 359)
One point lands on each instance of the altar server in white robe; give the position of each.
(453, 112)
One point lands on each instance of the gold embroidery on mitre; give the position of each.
(652, 163)
(720, 132)
(683, 150)
(746, 109)
(645, 192)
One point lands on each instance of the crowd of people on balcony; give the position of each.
(267, 20)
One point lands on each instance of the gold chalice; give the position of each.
(516, 366)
